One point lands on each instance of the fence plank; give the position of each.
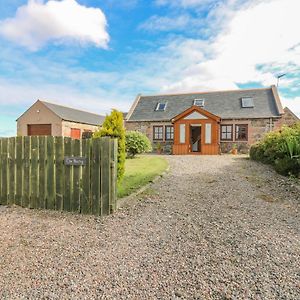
(68, 176)
(41, 200)
(59, 172)
(19, 170)
(95, 177)
(34, 172)
(11, 173)
(4, 171)
(26, 171)
(50, 163)
(113, 183)
(76, 146)
(85, 197)
(105, 178)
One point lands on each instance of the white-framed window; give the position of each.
(161, 106)
(182, 133)
(207, 133)
(247, 102)
(199, 102)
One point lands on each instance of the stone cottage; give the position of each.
(208, 122)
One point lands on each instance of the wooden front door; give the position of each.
(39, 129)
(195, 138)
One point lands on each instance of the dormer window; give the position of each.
(199, 102)
(247, 102)
(161, 106)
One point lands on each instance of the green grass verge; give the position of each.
(139, 171)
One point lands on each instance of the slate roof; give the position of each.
(74, 115)
(225, 104)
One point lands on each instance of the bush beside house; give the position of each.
(137, 143)
(113, 126)
(281, 149)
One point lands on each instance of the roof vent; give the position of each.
(199, 102)
(161, 106)
(247, 102)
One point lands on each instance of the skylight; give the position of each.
(199, 102)
(161, 106)
(247, 102)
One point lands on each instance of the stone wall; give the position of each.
(257, 128)
(147, 129)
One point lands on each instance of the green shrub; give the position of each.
(113, 126)
(287, 166)
(281, 149)
(137, 143)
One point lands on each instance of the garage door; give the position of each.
(40, 129)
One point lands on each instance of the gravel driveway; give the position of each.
(216, 227)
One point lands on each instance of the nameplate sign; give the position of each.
(75, 161)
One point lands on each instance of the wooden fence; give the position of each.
(39, 172)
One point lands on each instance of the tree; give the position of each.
(137, 143)
(113, 126)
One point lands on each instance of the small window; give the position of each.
(161, 106)
(241, 132)
(87, 134)
(169, 133)
(199, 102)
(182, 133)
(158, 133)
(247, 102)
(226, 132)
(208, 133)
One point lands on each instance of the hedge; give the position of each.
(280, 149)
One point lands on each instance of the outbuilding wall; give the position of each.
(67, 126)
(39, 114)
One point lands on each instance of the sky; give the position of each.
(99, 54)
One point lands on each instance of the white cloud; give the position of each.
(257, 41)
(23, 95)
(292, 104)
(37, 23)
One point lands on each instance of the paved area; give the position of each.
(216, 227)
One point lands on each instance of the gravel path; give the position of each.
(216, 227)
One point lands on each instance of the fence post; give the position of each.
(4, 171)
(19, 170)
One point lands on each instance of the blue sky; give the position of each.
(98, 55)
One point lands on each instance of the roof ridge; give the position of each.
(68, 107)
(209, 92)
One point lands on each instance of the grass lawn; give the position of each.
(139, 171)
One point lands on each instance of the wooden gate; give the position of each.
(59, 173)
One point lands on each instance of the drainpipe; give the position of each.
(271, 125)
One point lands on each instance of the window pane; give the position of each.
(208, 133)
(182, 133)
(157, 132)
(241, 133)
(169, 132)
